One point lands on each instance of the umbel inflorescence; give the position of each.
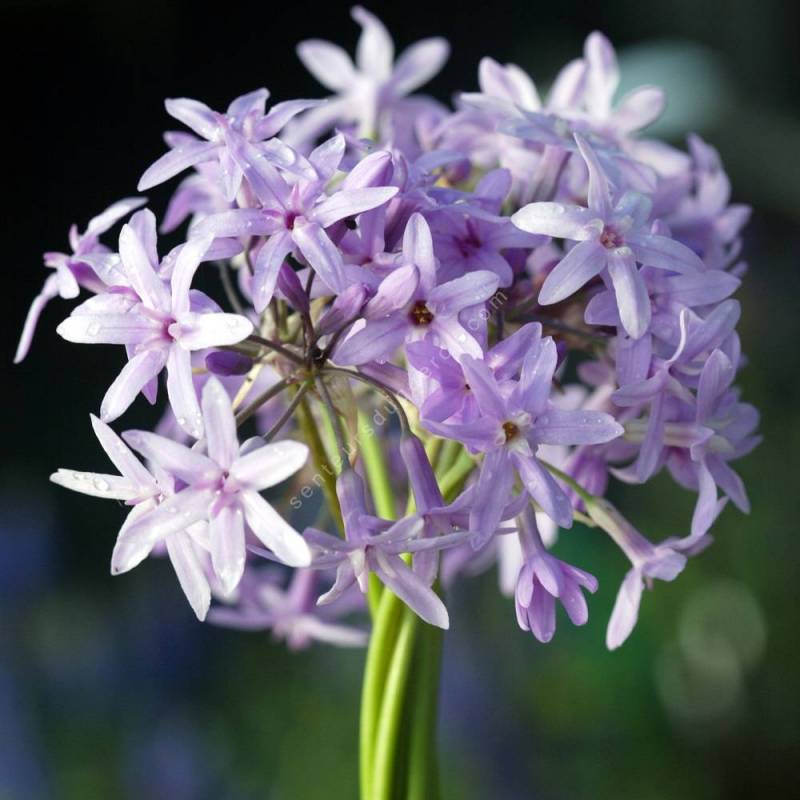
(459, 324)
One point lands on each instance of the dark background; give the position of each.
(111, 689)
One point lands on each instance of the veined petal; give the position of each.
(173, 457)
(653, 250)
(543, 488)
(114, 213)
(181, 391)
(134, 376)
(49, 291)
(220, 424)
(193, 114)
(630, 290)
(273, 530)
(399, 578)
(183, 554)
(175, 514)
(599, 190)
(351, 203)
(186, 264)
(269, 465)
(322, 254)
(130, 328)
(121, 456)
(449, 298)
(495, 482)
(394, 293)
(582, 263)
(378, 339)
(626, 610)
(175, 161)
(96, 484)
(267, 267)
(558, 426)
(483, 386)
(536, 377)
(280, 114)
(199, 331)
(555, 219)
(228, 552)
(141, 271)
(418, 250)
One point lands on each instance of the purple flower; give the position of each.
(290, 613)
(473, 237)
(636, 110)
(374, 545)
(294, 216)
(220, 488)
(409, 304)
(71, 269)
(664, 561)
(156, 322)
(512, 425)
(244, 118)
(611, 238)
(137, 487)
(372, 88)
(544, 579)
(673, 377)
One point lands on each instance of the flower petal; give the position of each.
(228, 552)
(183, 554)
(582, 263)
(269, 465)
(277, 534)
(134, 377)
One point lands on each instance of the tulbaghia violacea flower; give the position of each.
(410, 304)
(220, 487)
(509, 430)
(290, 613)
(612, 237)
(369, 90)
(137, 487)
(544, 579)
(664, 561)
(294, 217)
(245, 118)
(156, 322)
(389, 290)
(72, 271)
(374, 545)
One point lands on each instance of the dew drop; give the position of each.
(93, 329)
(101, 485)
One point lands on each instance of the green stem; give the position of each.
(380, 484)
(324, 468)
(452, 481)
(379, 654)
(394, 699)
(423, 777)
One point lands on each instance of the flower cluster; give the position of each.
(539, 298)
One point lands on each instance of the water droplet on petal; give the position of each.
(93, 329)
(101, 485)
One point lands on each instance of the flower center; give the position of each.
(511, 430)
(420, 314)
(610, 239)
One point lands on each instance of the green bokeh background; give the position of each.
(111, 689)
